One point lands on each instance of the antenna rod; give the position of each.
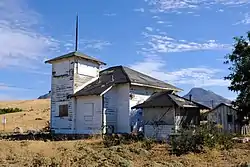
(76, 44)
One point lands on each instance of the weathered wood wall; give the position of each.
(160, 132)
(88, 121)
(62, 86)
(219, 116)
(116, 108)
(138, 95)
(67, 76)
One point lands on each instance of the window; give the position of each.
(229, 118)
(63, 110)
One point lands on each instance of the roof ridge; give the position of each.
(111, 68)
(145, 74)
(77, 54)
(126, 75)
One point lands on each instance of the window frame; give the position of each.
(65, 106)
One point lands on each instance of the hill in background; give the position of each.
(45, 96)
(206, 97)
(200, 95)
(35, 114)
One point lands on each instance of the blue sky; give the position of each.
(182, 42)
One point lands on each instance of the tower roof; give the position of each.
(76, 54)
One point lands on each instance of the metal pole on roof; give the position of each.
(190, 97)
(76, 44)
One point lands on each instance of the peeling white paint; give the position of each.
(88, 115)
(116, 104)
(67, 76)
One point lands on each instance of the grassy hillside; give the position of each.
(91, 152)
(32, 110)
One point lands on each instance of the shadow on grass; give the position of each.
(44, 137)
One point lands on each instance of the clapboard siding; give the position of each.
(88, 121)
(61, 87)
(116, 108)
(138, 95)
(67, 76)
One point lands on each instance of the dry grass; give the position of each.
(26, 120)
(91, 152)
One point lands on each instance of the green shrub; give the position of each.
(195, 139)
(186, 142)
(9, 110)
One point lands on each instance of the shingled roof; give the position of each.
(76, 54)
(168, 99)
(120, 74)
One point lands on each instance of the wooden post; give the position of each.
(4, 122)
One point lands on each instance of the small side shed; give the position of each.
(165, 113)
(224, 115)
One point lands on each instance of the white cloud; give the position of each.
(246, 19)
(194, 76)
(220, 10)
(161, 43)
(156, 17)
(68, 44)
(94, 44)
(21, 43)
(160, 22)
(139, 10)
(7, 87)
(149, 29)
(110, 14)
(173, 5)
(169, 25)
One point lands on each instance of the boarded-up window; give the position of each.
(63, 110)
(88, 109)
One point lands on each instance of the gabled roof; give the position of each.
(222, 104)
(140, 78)
(95, 88)
(120, 74)
(168, 99)
(76, 54)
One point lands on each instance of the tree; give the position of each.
(239, 76)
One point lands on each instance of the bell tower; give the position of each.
(69, 72)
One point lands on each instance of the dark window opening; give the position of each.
(63, 110)
(229, 118)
